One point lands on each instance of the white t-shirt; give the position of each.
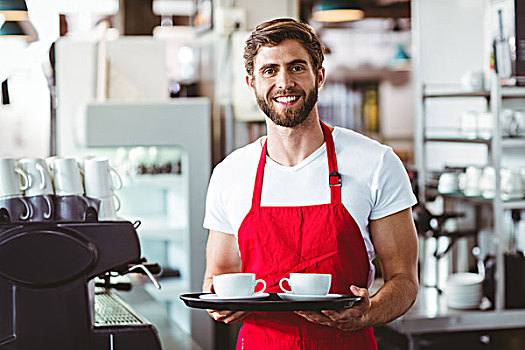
(374, 183)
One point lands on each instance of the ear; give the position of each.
(321, 75)
(249, 81)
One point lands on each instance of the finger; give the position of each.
(220, 315)
(314, 317)
(235, 317)
(365, 297)
(361, 292)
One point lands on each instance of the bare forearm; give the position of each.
(393, 299)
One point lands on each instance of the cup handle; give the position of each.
(40, 169)
(117, 207)
(118, 186)
(50, 208)
(26, 177)
(263, 288)
(281, 285)
(29, 209)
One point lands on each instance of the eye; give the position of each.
(297, 68)
(269, 71)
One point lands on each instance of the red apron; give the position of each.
(275, 241)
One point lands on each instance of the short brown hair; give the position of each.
(274, 32)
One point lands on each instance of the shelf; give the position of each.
(506, 92)
(513, 143)
(514, 204)
(513, 92)
(507, 205)
(458, 140)
(505, 142)
(159, 180)
(456, 94)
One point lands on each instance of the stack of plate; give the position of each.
(464, 290)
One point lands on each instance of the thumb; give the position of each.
(361, 292)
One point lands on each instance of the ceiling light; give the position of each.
(19, 29)
(337, 11)
(13, 10)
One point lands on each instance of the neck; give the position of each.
(290, 146)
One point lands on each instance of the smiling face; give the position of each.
(285, 83)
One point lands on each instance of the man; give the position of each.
(309, 198)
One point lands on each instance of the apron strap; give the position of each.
(334, 179)
(257, 190)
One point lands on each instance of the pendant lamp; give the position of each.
(19, 29)
(12, 29)
(337, 11)
(13, 10)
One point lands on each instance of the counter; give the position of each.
(430, 315)
(172, 337)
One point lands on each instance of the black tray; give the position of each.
(270, 303)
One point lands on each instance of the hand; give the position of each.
(345, 319)
(228, 317)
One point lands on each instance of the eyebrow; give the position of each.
(291, 63)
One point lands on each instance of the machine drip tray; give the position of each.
(111, 311)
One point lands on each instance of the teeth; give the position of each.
(286, 99)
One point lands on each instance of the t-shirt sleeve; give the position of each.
(216, 217)
(392, 188)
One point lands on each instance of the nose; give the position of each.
(284, 80)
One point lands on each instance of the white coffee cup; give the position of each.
(98, 179)
(509, 123)
(307, 283)
(472, 181)
(237, 285)
(519, 115)
(66, 176)
(448, 182)
(469, 124)
(108, 208)
(41, 183)
(511, 184)
(485, 125)
(13, 179)
(487, 183)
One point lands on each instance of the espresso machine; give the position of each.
(48, 298)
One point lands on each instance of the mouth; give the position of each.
(286, 100)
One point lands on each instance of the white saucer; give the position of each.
(306, 297)
(250, 297)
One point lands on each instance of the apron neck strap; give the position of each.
(334, 179)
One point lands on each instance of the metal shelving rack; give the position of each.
(495, 147)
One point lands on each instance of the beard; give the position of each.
(291, 116)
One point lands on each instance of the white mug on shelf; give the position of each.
(448, 182)
(469, 124)
(108, 208)
(511, 184)
(509, 123)
(519, 115)
(66, 176)
(485, 124)
(487, 182)
(14, 180)
(41, 182)
(100, 179)
(472, 181)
